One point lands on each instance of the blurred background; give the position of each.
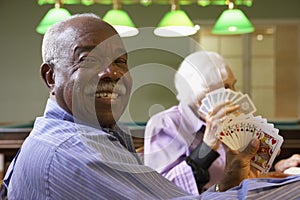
(266, 61)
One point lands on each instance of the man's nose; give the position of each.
(110, 71)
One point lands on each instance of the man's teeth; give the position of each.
(106, 95)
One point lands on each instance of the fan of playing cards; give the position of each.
(240, 128)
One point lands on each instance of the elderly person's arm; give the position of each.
(206, 152)
(293, 161)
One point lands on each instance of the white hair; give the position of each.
(199, 72)
(52, 46)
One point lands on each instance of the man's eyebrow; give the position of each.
(118, 52)
(121, 52)
(80, 49)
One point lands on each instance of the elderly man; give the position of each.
(75, 151)
(171, 136)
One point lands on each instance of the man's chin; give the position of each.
(107, 124)
(107, 120)
(108, 113)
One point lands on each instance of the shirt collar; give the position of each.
(53, 110)
(191, 121)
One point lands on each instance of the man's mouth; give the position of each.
(108, 95)
(107, 91)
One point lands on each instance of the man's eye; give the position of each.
(121, 61)
(88, 60)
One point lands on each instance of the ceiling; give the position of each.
(149, 2)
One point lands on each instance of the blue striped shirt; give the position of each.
(64, 160)
(260, 189)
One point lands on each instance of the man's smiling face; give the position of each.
(94, 84)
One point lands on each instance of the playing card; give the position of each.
(263, 121)
(237, 126)
(221, 95)
(230, 94)
(233, 118)
(238, 130)
(236, 97)
(203, 109)
(229, 118)
(215, 96)
(244, 137)
(206, 103)
(213, 99)
(270, 144)
(249, 134)
(246, 105)
(227, 138)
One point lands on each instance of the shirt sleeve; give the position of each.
(106, 171)
(164, 145)
(183, 176)
(258, 188)
(165, 150)
(200, 160)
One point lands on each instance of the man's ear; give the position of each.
(47, 73)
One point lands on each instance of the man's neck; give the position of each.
(195, 109)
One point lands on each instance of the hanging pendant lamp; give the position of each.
(120, 20)
(175, 23)
(54, 15)
(232, 21)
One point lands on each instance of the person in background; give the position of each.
(171, 135)
(285, 165)
(77, 151)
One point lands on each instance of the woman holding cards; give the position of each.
(176, 137)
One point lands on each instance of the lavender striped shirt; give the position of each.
(170, 136)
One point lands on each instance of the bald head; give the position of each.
(228, 77)
(84, 61)
(62, 34)
(201, 72)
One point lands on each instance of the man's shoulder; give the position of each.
(172, 112)
(57, 132)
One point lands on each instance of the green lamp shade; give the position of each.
(232, 21)
(121, 21)
(53, 15)
(42, 2)
(175, 23)
(87, 2)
